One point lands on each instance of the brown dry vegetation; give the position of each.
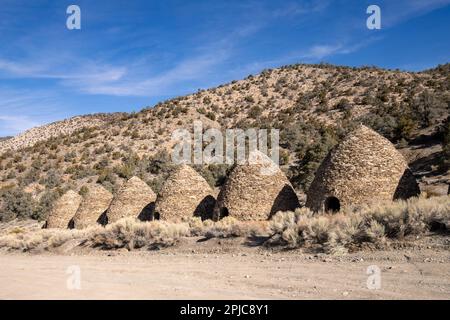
(349, 230)
(367, 224)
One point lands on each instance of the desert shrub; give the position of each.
(70, 156)
(107, 179)
(115, 132)
(214, 174)
(405, 127)
(352, 227)
(125, 171)
(284, 157)
(84, 190)
(160, 163)
(36, 164)
(428, 107)
(294, 137)
(46, 202)
(211, 115)
(42, 238)
(31, 176)
(255, 112)
(79, 171)
(20, 168)
(133, 234)
(11, 174)
(206, 100)
(102, 164)
(445, 132)
(228, 227)
(17, 204)
(343, 104)
(249, 99)
(130, 233)
(17, 158)
(302, 173)
(156, 183)
(135, 135)
(51, 180)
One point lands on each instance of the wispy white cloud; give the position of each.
(23, 109)
(142, 77)
(11, 125)
(136, 78)
(301, 8)
(395, 12)
(313, 54)
(16, 68)
(196, 69)
(189, 70)
(83, 70)
(321, 51)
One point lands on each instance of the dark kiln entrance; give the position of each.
(332, 204)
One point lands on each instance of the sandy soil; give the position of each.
(224, 269)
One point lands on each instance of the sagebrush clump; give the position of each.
(354, 226)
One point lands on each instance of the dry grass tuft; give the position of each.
(44, 239)
(375, 224)
(133, 234)
(231, 227)
(130, 233)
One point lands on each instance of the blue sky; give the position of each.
(132, 54)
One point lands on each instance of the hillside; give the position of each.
(314, 106)
(59, 128)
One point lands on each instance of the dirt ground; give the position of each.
(225, 269)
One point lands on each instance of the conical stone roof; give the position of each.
(94, 204)
(132, 200)
(63, 210)
(185, 193)
(363, 168)
(256, 190)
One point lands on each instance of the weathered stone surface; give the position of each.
(364, 168)
(132, 199)
(185, 194)
(63, 210)
(93, 205)
(255, 191)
